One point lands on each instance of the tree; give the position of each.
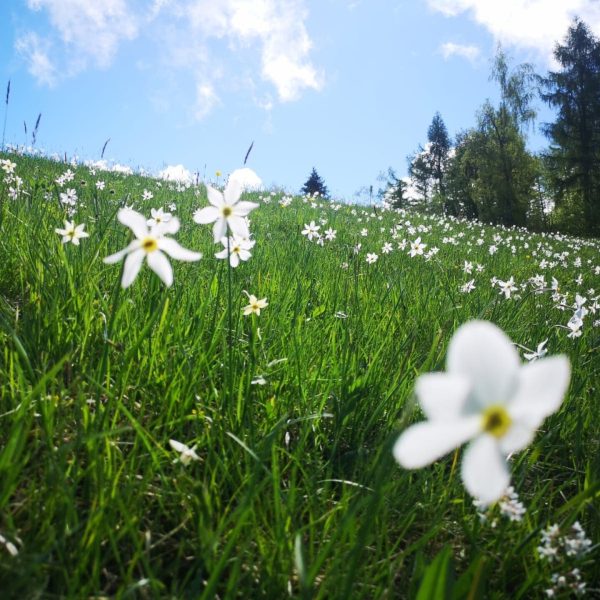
(315, 185)
(573, 160)
(419, 171)
(394, 193)
(439, 146)
(461, 178)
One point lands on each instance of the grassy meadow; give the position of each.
(293, 491)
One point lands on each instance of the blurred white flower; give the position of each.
(158, 216)
(186, 454)
(485, 396)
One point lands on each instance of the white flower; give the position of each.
(387, 248)
(416, 247)
(372, 257)
(311, 230)
(158, 216)
(150, 244)
(468, 287)
(72, 233)
(330, 234)
(485, 396)
(255, 305)
(186, 454)
(225, 211)
(540, 352)
(238, 250)
(507, 287)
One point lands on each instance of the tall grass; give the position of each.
(296, 493)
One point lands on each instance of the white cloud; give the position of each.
(90, 31)
(206, 100)
(203, 37)
(247, 178)
(34, 50)
(529, 24)
(470, 52)
(176, 173)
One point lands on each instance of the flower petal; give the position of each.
(518, 436)
(207, 215)
(483, 354)
(219, 229)
(167, 227)
(239, 226)
(541, 389)
(132, 266)
(241, 209)
(135, 221)
(159, 263)
(423, 443)
(234, 260)
(117, 256)
(175, 250)
(442, 396)
(484, 470)
(233, 191)
(215, 197)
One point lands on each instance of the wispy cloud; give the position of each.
(90, 31)
(470, 52)
(215, 41)
(528, 24)
(34, 50)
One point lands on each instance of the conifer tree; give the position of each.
(315, 185)
(439, 146)
(574, 156)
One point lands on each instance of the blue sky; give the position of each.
(347, 86)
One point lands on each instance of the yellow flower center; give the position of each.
(236, 250)
(227, 211)
(149, 244)
(496, 421)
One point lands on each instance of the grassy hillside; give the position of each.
(293, 413)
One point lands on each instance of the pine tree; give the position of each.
(315, 185)
(439, 146)
(573, 159)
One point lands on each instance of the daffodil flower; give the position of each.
(226, 211)
(254, 305)
(72, 233)
(150, 244)
(237, 249)
(186, 454)
(487, 397)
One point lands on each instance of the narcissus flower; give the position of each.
(72, 233)
(150, 244)
(226, 211)
(487, 397)
(186, 454)
(237, 249)
(254, 305)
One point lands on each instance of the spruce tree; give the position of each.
(573, 159)
(315, 185)
(439, 146)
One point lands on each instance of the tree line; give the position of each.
(487, 172)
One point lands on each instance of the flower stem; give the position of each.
(229, 324)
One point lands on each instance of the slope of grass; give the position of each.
(296, 492)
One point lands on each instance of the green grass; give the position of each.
(296, 493)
